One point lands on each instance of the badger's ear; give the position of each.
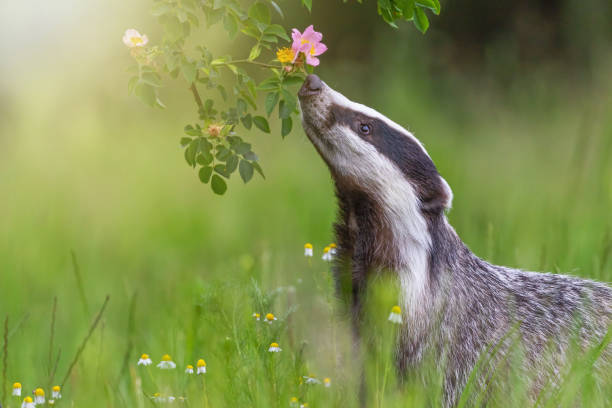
(441, 200)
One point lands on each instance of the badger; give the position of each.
(456, 307)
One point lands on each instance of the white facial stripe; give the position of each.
(341, 100)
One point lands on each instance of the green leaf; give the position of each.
(271, 101)
(260, 12)
(132, 84)
(247, 121)
(190, 153)
(250, 156)
(277, 30)
(433, 5)
(286, 126)
(189, 71)
(246, 171)
(255, 52)
(222, 170)
(185, 141)
(223, 153)
(146, 93)
(262, 123)
(293, 80)
(307, 4)
(270, 84)
(159, 9)
(258, 169)
(204, 158)
(420, 20)
(242, 148)
(218, 185)
(230, 24)
(191, 131)
(205, 173)
(287, 105)
(231, 163)
(277, 8)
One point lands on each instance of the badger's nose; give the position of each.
(312, 86)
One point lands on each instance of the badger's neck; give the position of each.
(389, 231)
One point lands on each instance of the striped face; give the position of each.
(367, 151)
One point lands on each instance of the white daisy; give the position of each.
(17, 389)
(28, 403)
(311, 379)
(201, 366)
(145, 360)
(189, 369)
(166, 363)
(39, 396)
(274, 348)
(270, 318)
(308, 250)
(396, 315)
(326, 254)
(55, 392)
(133, 38)
(333, 249)
(327, 382)
(257, 316)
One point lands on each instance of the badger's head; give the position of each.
(367, 152)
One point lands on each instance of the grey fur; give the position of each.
(466, 306)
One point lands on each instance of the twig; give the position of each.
(5, 358)
(246, 61)
(52, 334)
(79, 281)
(18, 325)
(196, 96)
(84, 343)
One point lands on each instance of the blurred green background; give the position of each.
(511, 98)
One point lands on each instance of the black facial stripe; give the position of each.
(402, 150)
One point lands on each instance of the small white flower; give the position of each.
(311, 379)
(171, 399)
(55, 392)
(308, 250)
(133, 38)
(326, 254)
(327, 382)
(270, 318)
(145, 360)
(39, 396)
(201, 366)
(157, 397)
(333, 249)
(294, 402)
(189, 369)
(396, 315)
(257, 316)
(166, 363)
(17, 389)
(51, 402)
(28, 403)
(274, 348)
(304, 405)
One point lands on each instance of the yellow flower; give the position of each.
(55, 392)
(327, 382)
(189, 369)
(308, 249)
(285, 55)
(270, 318)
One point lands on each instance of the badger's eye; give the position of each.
(365, 128)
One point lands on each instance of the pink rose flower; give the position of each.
(309, 43)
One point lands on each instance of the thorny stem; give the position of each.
(196, 96)
(246, 61)
(84, 343)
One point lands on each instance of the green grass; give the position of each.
(87, 170)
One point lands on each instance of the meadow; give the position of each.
(97, 201)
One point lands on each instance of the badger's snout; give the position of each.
(312, 86)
